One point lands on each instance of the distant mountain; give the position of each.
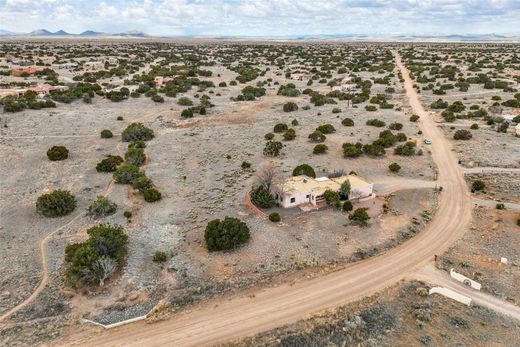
(61, 33)
(132, 33)
(40, 32)
(6, 32)
(91, 33)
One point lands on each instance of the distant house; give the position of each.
(298, 190)
(160, 80)
(29, 70)
(65, 66)
(45, 89)
(12, 92)
(112, 60)
(93, 65)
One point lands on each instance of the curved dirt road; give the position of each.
(241, 315)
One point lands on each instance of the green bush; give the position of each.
(273, 148)
(101, 207)
(462, 134)
(151, 195)
(478, 185)
(137, 144)
(360, 216)
(159, 257)
(127, 214)
(275, 217)
(135, 156)
(414, 118)
(326, 129)
(126, 173)
(269, 136)
(106, 134)
(500, 206)
(336, 110)
(395, 126)
(320, 149)
(184, 101)
(408, 149)
(394, 167)
(370, 108)
(348, 122)
(304, 169)
(332, 198)
(474, 126)
(290, 107)
(347, 206)
(187, 113)
(280, 128)
(55, 204)
(57, 153)
(262, 197)
(351, 150)
(317, 136)
(289, 135)
(245, 165)
(142, 183)
(137, 131)
(97, 259)
(109, 164)
(227, 234)
(376, 123)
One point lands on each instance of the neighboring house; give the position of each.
(65, 66)
(45, 89)
(11, 92)
(160, 80)
(112, 60)
(29, 70)
(93, 65)
(298, 190)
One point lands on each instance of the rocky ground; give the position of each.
(499, 186)
(403, 315)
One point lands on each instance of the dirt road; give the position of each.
(251, 312)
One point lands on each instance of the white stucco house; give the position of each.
(299, 190)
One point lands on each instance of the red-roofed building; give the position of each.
(29, 70)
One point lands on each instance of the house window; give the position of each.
(308, 196)
(293, 200)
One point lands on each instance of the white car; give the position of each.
(428, 141)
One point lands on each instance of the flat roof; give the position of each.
(306, 184)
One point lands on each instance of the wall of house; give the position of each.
(361, 192)
(299, 198)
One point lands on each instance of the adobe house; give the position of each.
(29, 70)
(298, 190)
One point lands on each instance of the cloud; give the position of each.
(265, 17)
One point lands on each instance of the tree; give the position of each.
(137, 131)
(289, 135)
(351, 150)
(126, 173)
(326, 129)
(317, 136)
(394, 167)
(320, 149)
(151, 195)
(100, 270)
(344, 190)
(275, 217)
(360, 216)
(347, 206)
(101, 207)
(332, 198)
(348, 122)
(408, 149)
(290, 107)
(462, 134)
(135, 156)
(280, 128)
(304, 169)
(184, 101)
(109, 164)
(187, 113)
(159, 257)
(262, 197)
(273, 148)
(106, 134)
(56, 153)
(226, 235)
(55, 204)
(414, 118)
(268, 176)
(478, 185)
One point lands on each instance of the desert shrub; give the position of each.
(336, 110)
(184, 101)
(57, 153)
(408, 149)
(500, 206)
(294, 122)
(290, 106)
(347, 206)
(275, 217)
(157, 98)
(273, 148)
(96, 260)
(106, 134)
(320, 149)
(478, 185)
(304, 169)
(376, 123)
(55, 204)
(370, 108)
(462, 134)
(137, 144)
(360, 216)
(142, 183)
(374, 150)
(351, 150)
(126, 173)
(394, 167)
(227, 234)
(414, 118)
(135, 156)
(137, 131)
(262, 197)
(395, 126)
(269, 136)
(127, 214)
(151, 195)
(101, 207)
(439, 104)
(317, 136)
(187, 113)
(280, 128)
(332, 198)
(348, 122)
(326, 129)
(245, 165)
(288, 90)
(159, 257)
(109, 164)
(289, 135)
(474, 126)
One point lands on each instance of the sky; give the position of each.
(265, 17)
